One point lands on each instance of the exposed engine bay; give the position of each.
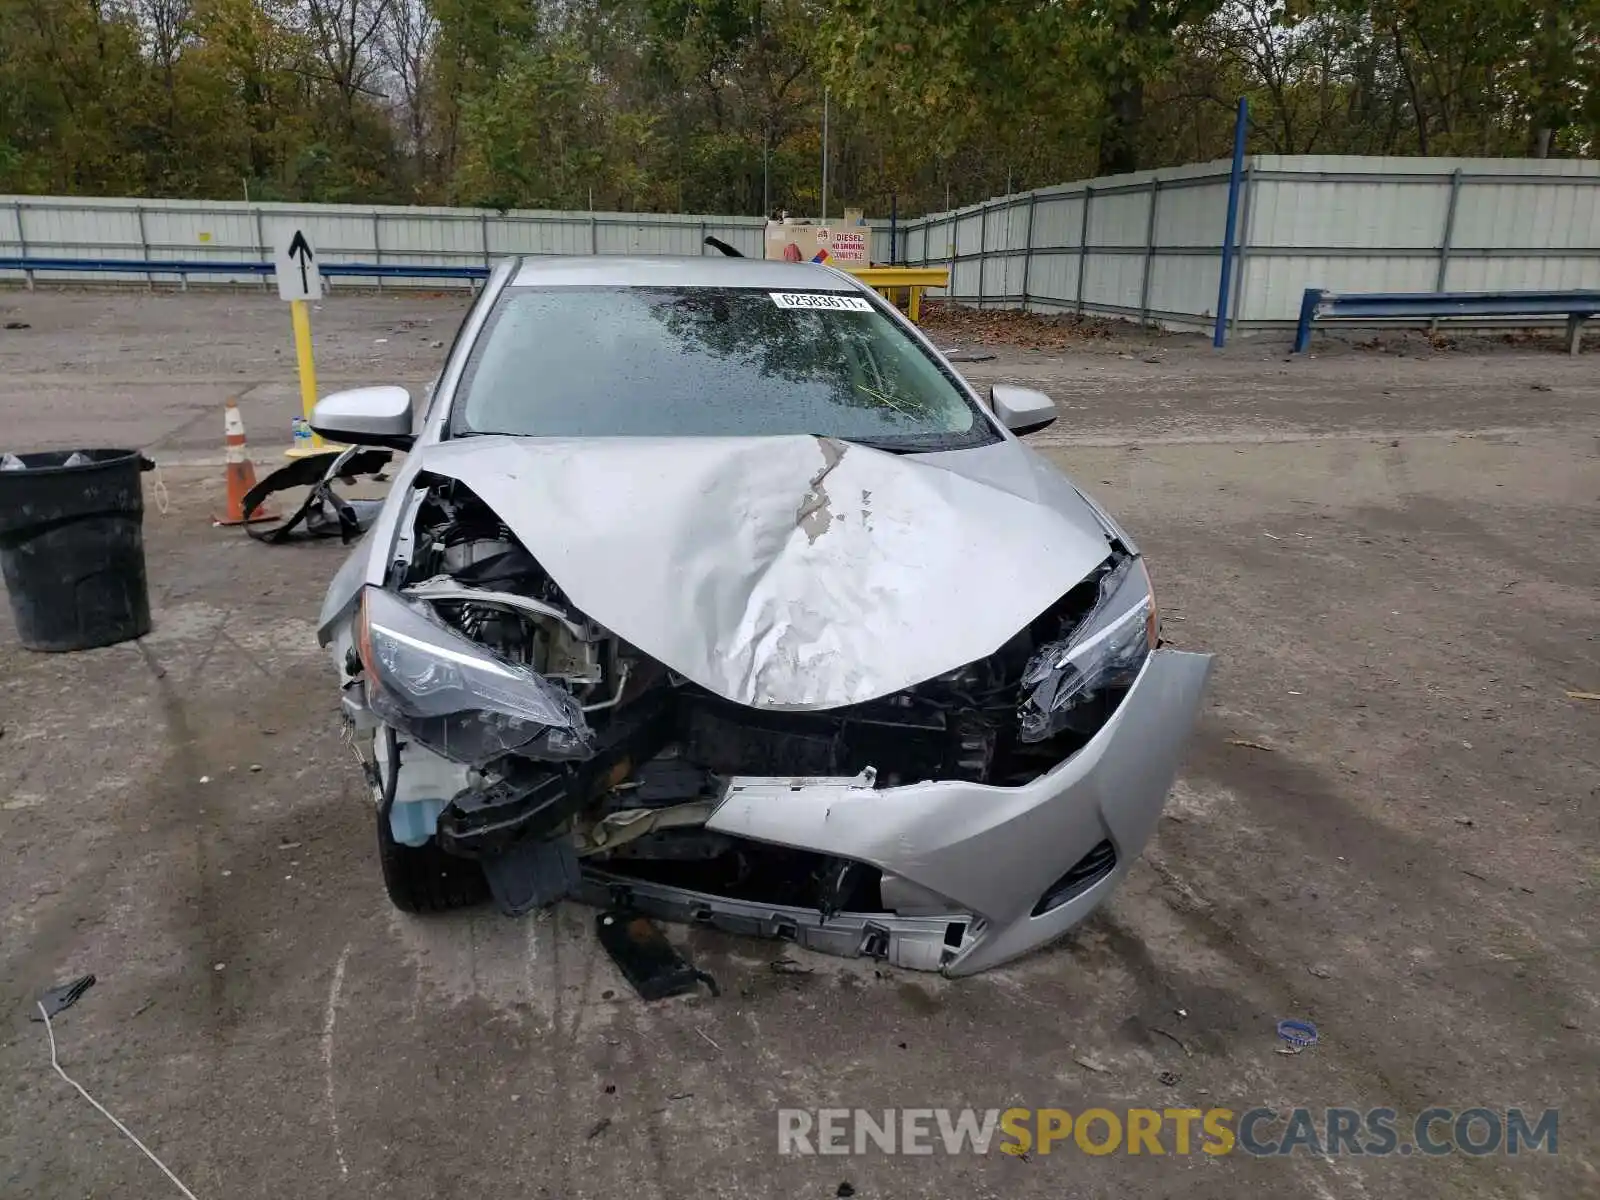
(515, 732)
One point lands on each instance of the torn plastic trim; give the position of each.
(457, 697)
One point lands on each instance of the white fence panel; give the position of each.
(219, 231)
(1342, 214)
(1149, 244)
(1058, 219)
(1145, 245)
(1112, 282)
(1276, 285)
(1192, 214)
(1182, 286)
(1527, 215)
(1053, 280)
(1119, 219)
(1012, 283)
(1510, 273)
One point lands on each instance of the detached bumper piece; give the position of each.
(646, 959)
(324, 512)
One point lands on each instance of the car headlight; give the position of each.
(454, 695)
(1098, 660)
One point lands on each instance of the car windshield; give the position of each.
(709, 362)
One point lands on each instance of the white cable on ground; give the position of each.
(51, 1034)
(158, 485)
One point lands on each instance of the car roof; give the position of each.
(616, 270)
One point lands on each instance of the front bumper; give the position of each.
(992, 852)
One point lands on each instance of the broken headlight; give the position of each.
(455, 696)
(1074, 682)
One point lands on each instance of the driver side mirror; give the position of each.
(370, 416)
(1021, 410)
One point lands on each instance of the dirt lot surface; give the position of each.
(1387, 824)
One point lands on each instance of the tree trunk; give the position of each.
(1119, 146)
(1548, 64)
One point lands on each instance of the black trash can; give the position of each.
(72, 548)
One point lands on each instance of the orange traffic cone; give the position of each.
(241, 473)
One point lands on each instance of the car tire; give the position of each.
(424, 879)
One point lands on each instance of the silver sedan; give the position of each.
(709, 588)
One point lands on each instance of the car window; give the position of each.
(709, 362)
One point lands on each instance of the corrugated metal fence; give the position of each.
(1149, 245)
(1146, 245)
(226, 231)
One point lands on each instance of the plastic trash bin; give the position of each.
(72, 547)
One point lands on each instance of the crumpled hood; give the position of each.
(783, 572)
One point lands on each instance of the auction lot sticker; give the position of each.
(820, 300)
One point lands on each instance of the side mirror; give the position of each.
(1021, 410)
(370, 416)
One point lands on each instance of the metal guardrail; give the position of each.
(1576, 306)
(151, 267)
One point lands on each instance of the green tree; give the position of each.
(717, 105)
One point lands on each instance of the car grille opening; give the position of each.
(1080, 877)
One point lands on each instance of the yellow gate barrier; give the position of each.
(888, 280)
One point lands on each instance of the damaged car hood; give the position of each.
(785, 572)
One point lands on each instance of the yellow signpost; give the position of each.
(301, 317)
(299, 282)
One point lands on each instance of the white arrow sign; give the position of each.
(295, 261)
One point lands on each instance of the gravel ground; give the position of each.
(1387, 823)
